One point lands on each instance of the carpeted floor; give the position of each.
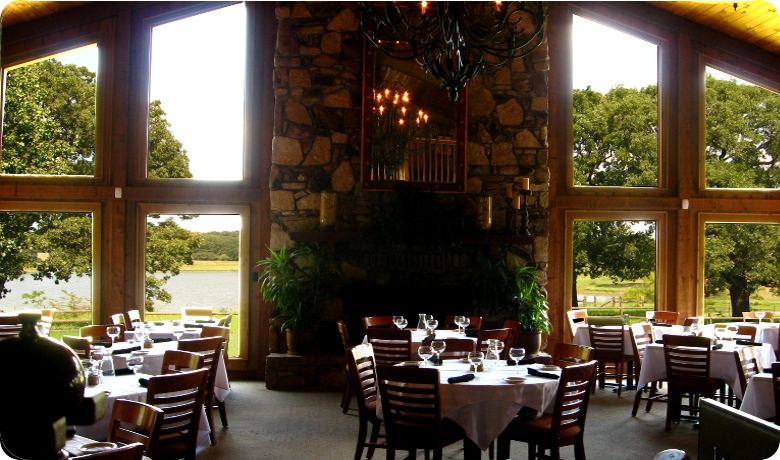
(273, 425)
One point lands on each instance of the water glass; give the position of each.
(438, 347)
(425, 352)
(396, 319)
(402, 323)
(476, 358)
(113, 332)
(459, 323)
(517, 354)
(465, 322)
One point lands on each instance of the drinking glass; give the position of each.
(432, 324)
(476, 358)
(135, 361)
(499, 347)
(425, 352)
(97, 354)
(438, 347)
(178, 332)
(760, 315)
(113, 332)
(396, 319)
(695, 328)
(465, 322)
(517, 354)
(459, 322)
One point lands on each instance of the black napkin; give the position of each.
(143, 382)
(193, 325)
(430, 337)
(511, 362)
(661, 325)
(125, 371)
(125, 351)
(537, 373)
(461, 378)
(162, 339)
(435, 360)
(159, 323)
(473, 334)
(749, 343)
(717, 347)
(105, 344)
(578, 320)
(659, 341)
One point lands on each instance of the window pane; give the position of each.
(196, 123)
(47, 263)
(741, 271)
(193, 260)
(615, 113)
(614, 267)
(49, 116)
(743, 125)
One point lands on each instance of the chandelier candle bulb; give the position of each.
(525, 183)
(516, 202)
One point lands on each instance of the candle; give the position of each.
(525, 183)
(508, 193)
(516, 202)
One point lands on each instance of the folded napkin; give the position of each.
(473, 334)
(537, 373)
(461, 378)
(436, 361)
(125, 351)
(162, 339)
(104, 344)
(749, 343)
(512, 362)
(578, 320)
(430, 337)
(659, 341)
(717, 347)
(159, 323)
(143, 382)
(193, 325)
(661, 325)
(125, 371)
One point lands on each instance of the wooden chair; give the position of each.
(80, 345)
(564, 427)
(133, 316)
(688, 372)
(349, 391)
(225, 321)
(609, 342)
(178, 361)
(196, 313)
(568, 354)
(9, 320)
(412, 411)
(497, 334)
(9, 330)
(119, 320)
(217, 331)
(181, 398)
(776, 390)
(746, 332)
(768, 315)
(99, 334)
(641, 336)
(133, 421)
(514, 327)
(47, 319)
(475, 324)
(210, 348)
(576, 319)
(362, 376)
(391, 346)
(385, 322)
(691, 320)
(665, 317)
(134, 451)
(747, 366)
(605, 321)
(456, 348)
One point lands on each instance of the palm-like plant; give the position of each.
(529, 300)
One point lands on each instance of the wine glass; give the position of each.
(178, 332)
(402, 323)
(459, 322)
(113, 332)
(499, 347)
(433, 324)
(396, 319)
(135, 361)
(760, 315)
(96, 354)
(425, 352)
(465, 322)
(438, 347)
(517, 354)
(476, 358)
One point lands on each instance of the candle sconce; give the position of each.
(484, 213)
(524, 230)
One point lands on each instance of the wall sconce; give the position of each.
(327, 210)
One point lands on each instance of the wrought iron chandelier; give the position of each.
(454, 41)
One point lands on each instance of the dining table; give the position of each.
(759, 398)
(164, 330)
(723, 365)
(766, 332)
(419, 335)
(485, 406)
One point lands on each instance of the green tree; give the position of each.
(218, 246)
(49, 127)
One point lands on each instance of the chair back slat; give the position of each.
(390, 346)
(569, 354)
(572, 397)
(133, 421)
(747, 365)
(178, 361)
(641, 337)
(665, 317)
(687, 362)
(181, 398)
(383, 322)
(497, 334)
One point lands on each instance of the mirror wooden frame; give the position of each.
(369, 183)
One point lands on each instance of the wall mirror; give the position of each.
(414, 136)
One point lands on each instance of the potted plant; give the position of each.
(297, 281)
(530, 303)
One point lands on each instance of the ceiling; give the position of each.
(755, 22)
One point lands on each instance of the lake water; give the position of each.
(212, 289)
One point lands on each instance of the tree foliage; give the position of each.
(218, 246)
(49, 128)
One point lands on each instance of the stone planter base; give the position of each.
(305, 373)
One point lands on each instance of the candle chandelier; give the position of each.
(454, 41)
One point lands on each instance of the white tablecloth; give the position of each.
(766, 332)
(722, 364)
(484, 407)
(418, 336)
(759, 397)
(166, 332)
(127, 387)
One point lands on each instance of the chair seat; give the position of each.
(541, 427)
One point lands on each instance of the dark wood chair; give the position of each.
(456, 348)
(514, 327)
(475, 322)
(641, 336)
(181, 398)
(609, 343)
(691, 320)
(118, 320)
(99, 334)
(747, 366)
(412, 411)
(497, 334)
(133, 421)
(664, 317)
(362, 374)
(134, 451)
(391, 346)
(564, 427)
(80, 345)
(210, 348)
(569, 354)
(348, 390)
(384, 322)
(751, 315)
(605, 321)
(178, 361)
(688, 373)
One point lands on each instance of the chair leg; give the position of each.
(637, 400)
(619, 377)
(347, 398)
(502, 450)
(210, 418)
(373, 439)
(362, 428)
(222, 412)
(579, 447)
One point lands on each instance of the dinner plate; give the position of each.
(97, 446)
(464, 361)
(514, 379)
(549, 367)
